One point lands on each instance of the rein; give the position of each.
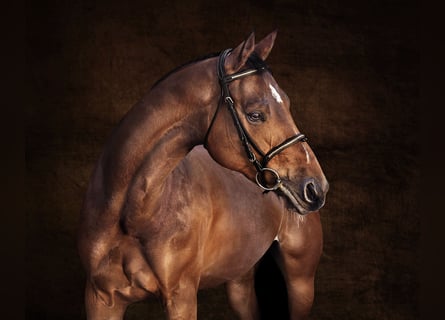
(248, 143)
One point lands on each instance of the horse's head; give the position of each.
(253, 131)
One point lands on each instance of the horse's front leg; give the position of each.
(181, 302)
(300, 290)
(242, 297)
(298, 254)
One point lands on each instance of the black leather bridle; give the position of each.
(248, 143)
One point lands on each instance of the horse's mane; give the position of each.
(254, 61)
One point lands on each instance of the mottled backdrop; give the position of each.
(350, 69)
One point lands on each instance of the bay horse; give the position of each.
(160, 220)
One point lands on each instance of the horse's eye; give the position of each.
(255, 117)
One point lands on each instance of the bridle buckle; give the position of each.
(229, 99)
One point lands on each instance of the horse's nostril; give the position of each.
(310, 194)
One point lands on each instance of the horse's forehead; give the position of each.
(266, 86)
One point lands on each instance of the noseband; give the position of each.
(248, 143)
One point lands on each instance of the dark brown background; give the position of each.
(351, 71)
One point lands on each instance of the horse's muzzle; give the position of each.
(305, 197)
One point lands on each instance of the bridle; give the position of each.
(248, 143)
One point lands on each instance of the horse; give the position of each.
(159, 220)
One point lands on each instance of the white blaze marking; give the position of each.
(275, 94)
(307, 154)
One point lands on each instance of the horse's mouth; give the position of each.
(294, 202)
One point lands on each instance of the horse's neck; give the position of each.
(153, 137)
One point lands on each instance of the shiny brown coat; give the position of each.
(161, 220)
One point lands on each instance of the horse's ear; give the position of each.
(238, 56)
(264, 47)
